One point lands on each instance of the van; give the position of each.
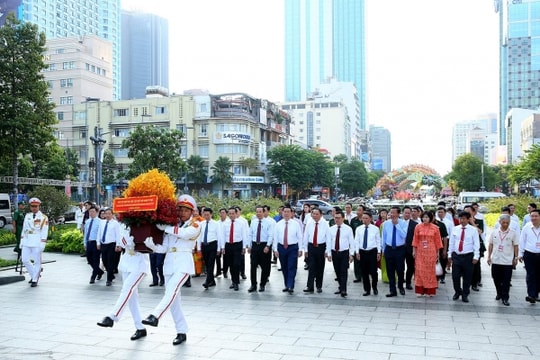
(5, 210)
(480, 197)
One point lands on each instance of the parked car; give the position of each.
(325, 207)
(69, 215)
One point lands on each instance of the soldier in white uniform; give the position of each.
(178, 265)
(33, 239)
(133, 266)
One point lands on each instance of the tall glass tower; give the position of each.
(519, 35)
(64, 18)
(324, 39)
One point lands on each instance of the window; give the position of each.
(50, 84)
(65, 100)
(183, 152)
(203, 130)
(52, 67)
(60, 115)
(203, 107)
(79, 115)
(182, 128)
(59, 51)
(121, 132)
(121, 112)
(203, 151)
(66, 83)
(120, 152)
(135, 111)
(161, 110)
(82, 134)
(67, 65)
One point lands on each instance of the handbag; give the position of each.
(438, 268)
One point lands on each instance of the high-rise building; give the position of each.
(324, 39)
(381, 151)
(63, 18)
(519, 47)
(145, 53)
(461, 137)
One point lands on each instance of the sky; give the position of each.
(430, 63)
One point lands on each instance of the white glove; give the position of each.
(149, 242)
(130, 242)
(161, 227)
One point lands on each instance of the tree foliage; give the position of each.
(62, 162)
(529, 167)
(354, 178)
(467, 174)
(154, 148)
(54, 202)
(109, 168)
(221, 172)
(197, 172)
(26, 115)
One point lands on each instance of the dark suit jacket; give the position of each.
(410, 235)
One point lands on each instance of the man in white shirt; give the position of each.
(209, 241)
(449, 225)
(514, 225)
(512, 208)
(529, 253)
(349, 215)
(261, 232)
(287, 245)
(367, 249)
(527, 217)
(79, 216)
(340, 250)
(239, 217)
(109, 235)
(463, 253)
(235, 238)
(33, 240)
(316, 239)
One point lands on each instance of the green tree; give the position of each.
(62, 162)
(197, 172)
(26, 115)
(222, 173)
(288, 164)
(154, 148)
(466, 172)
(320, 170)
(249, 163)
(109, 168)
(54, 202)
(354, 178)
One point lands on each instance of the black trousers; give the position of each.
(92, 256)
(502, 274)
(259, 258)
(156, 267)
(108, 255)
(209, 252)
(368, 262)
(233, 257)
(444, 262)
(316, 263)
(219, 270)
(476, 273)
(409, 260)
(340, 260)
(395, 263)
(462, 268)
(532, 266)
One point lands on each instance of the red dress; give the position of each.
(427, 241)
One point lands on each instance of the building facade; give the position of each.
(513, 124)
(484, 124)
(381, 151)
(324, 39)
(145, 53)
(519, 48)
(530, 132)
(80, 18)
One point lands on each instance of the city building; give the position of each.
(381, 148)
(325, 39)
(513, 125)
(321, 124)
(519, 48)
(235, 126)
(145, 53)
(530, 132)
(484, 124)
(81, 18)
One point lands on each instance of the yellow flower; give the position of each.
(152, 182)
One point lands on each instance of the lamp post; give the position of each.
(98, 143)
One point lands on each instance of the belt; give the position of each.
(465, 254)
(91, 240)
(395, 247)
(209, 242)
(175, 249)
(260, 243)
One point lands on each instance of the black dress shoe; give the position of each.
(151, 320)
(402, 291)
(92, 280)
(243, 276)
(366, 293)
(252, 288)
(307, 290)
(475, 288)
(261, 288)
(187, 284)
(180, 338)
(465, 299)
(213, 283)
(319, 290)
(343, 294)
(106, 322)
(285, 289)
(204, 285)
(408, 287)
(455, 297)
(33, 284)
(161, 283)
(498, 297)
(337, 292)
(375, 291)
(108, 283)
(442, 281)
(357, 281)
(232, 286)
(392, 294)
(138, 334)
(530, 299)
(505, 303)
(235, 287)
(99, 276)
(291, 291)
(154, 284)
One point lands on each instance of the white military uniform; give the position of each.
(133, 266)
(33, 238)
(178, 243)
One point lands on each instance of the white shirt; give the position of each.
(529, 239)
(349, 217)
(449, 224)
(373, 240)
(503, 246)
(214, 233)
(294, 233)
(267, 231)
(240, 232)
(346, 239)
(323, 233)
(79, 217)
(113, 234)
(35, 229)
(471, 241)
(513, 225)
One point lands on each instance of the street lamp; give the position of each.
(98, 143)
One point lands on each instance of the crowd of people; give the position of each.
(413, 248)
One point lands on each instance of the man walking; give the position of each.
(393, 245)
(209, 241)
(33, 239)
(339, 251)
(287, 245)
(316, 238)
(109, 234)
(90, 244)
(260, 234)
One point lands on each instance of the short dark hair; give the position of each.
(429, 214)
(406, 207)
(222, 209)
(317, 209)
(533, 205)
(238, 208)
(266, 207)
(441, 203)
(368, 213)
(339, 213)
(464, 214)
(287, 206)
(207, 209)
(505, 209)
(361, 207)
(536, 211)
(397, 208)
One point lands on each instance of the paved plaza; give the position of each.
(57, 320)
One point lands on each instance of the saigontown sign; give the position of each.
(228, 137)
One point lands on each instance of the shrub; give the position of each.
(7, 238)
(66, 239)
(520, 202)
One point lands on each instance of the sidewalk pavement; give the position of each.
(57, 320)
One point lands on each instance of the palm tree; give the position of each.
(222, 173)
(196, 169)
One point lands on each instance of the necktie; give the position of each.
(259, 232)
(337, 237)
(231, 233)
(205, 239)
(315, 233)
(89, 229)
(394, 237)
(364, 245)
(461, 239)
(104, 232)
(286, 236)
